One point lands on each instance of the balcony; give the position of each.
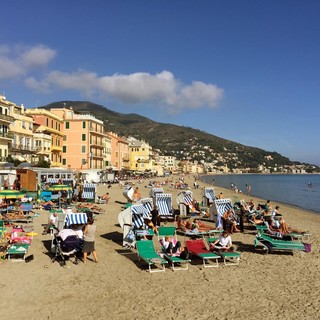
(96, 144)
(6, 135)
(4, 117)
(22, 148)
(56, 148)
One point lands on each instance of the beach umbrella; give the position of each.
(11, 194)
(24, 165)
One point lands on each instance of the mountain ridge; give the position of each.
(180, 141)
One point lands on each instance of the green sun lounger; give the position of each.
(177, 263)
(147, 253)
(18, 250)
(269, 244)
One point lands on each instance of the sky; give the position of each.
(247, 71)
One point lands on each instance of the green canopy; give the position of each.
(60, 187)
(11, 194)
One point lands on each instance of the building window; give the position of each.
(47, 122)
(67, 125)
(83, 149)
(64, 162)
(64, 149)
(83, 161)
(83, 124)
(64, 138)
(83, 137)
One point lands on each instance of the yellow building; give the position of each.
(48, 123)
(5, 121)
(140, 155)
(22, 146)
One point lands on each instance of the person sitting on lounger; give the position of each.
(51, 223)
(106, 197)
(285, 229)
(224, 242)
(169, 245)
(230, 221)
(136, 195)
(202, 226)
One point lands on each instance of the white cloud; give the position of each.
(162, 89)
(35, 57)
(17, 61)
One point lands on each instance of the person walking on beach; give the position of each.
(88, 244)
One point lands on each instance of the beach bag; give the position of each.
(307, 247)
(185, 254)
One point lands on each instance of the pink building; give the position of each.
(119, 152)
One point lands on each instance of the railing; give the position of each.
(6, 117)
(15, 146)
(8, 135)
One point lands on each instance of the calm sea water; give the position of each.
(299, 190)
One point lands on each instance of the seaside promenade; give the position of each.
(274, 286)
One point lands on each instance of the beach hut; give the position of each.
(154, 191)
(128, 193)
(219, 207)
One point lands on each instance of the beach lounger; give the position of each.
(230, 258)
(198, 248)
(177, 263)
(147, 253)
(18, 251)
(269, 245)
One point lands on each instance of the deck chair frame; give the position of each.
(147, 253)
(209, 258)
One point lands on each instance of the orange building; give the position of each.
(83, 140)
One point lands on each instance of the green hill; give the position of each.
(179, 141)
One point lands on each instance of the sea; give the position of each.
(301, 190)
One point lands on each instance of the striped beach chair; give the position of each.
(139, 213)
(154, 191)
(89, 192)
(184, 200)
(220, 206)
(164, 203)
(208, 196)
(75, 218)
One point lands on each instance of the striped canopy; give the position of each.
(11, 194)
(60, 187)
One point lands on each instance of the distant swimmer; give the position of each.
(309, 184)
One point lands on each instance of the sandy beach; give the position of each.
(273, 286)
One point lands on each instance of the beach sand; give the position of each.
(273, 286)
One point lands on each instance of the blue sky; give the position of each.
(247, 71)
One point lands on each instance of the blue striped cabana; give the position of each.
(164, 203)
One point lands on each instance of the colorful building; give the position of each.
(83, 140)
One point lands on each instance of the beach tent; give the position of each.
(184, 200)
(89, 192)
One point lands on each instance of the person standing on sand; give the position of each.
(88, 244)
